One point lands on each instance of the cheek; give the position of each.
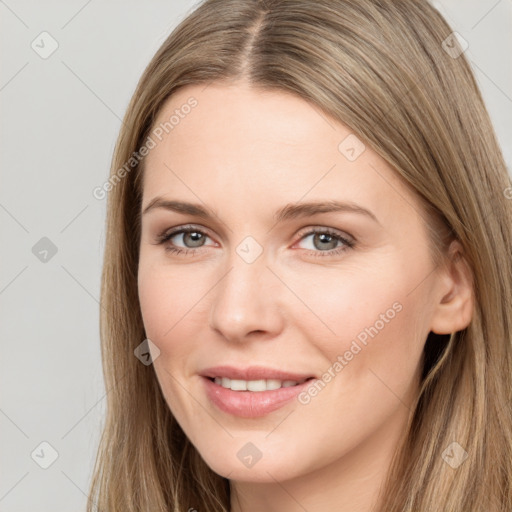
(362, 321)
(337, 305)
(173, 303)
(370, 364)
(154, 298)
(166, 295)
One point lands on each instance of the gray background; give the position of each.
(59, 123)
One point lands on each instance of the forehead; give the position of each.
(239, 144)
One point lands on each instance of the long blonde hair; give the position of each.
(381, 68)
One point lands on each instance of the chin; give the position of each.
(236, 464)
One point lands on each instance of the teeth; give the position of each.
(254, 385)
(238, 385)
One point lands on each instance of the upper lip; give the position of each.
(252, 373)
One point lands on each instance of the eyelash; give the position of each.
(166, 236)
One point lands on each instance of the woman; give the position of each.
(251, 367)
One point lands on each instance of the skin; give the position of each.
(246, 153)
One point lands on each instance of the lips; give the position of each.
(253, 373)
(252, 404)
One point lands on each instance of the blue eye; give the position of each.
(191, 234)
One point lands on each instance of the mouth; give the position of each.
(252, 398)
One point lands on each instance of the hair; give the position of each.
(379, 67)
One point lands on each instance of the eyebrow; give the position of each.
(288, 212)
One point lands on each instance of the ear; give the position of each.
(454, 309)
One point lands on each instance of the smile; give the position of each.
(254, 398)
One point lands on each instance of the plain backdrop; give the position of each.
(60, 116)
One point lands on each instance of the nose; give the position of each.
(247, 301)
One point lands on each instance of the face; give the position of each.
(267, 290)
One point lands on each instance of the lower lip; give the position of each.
(251, 404)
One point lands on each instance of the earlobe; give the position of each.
(454, 310)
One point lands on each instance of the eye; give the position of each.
(189, 235)
(328, 242)
(193, 238)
